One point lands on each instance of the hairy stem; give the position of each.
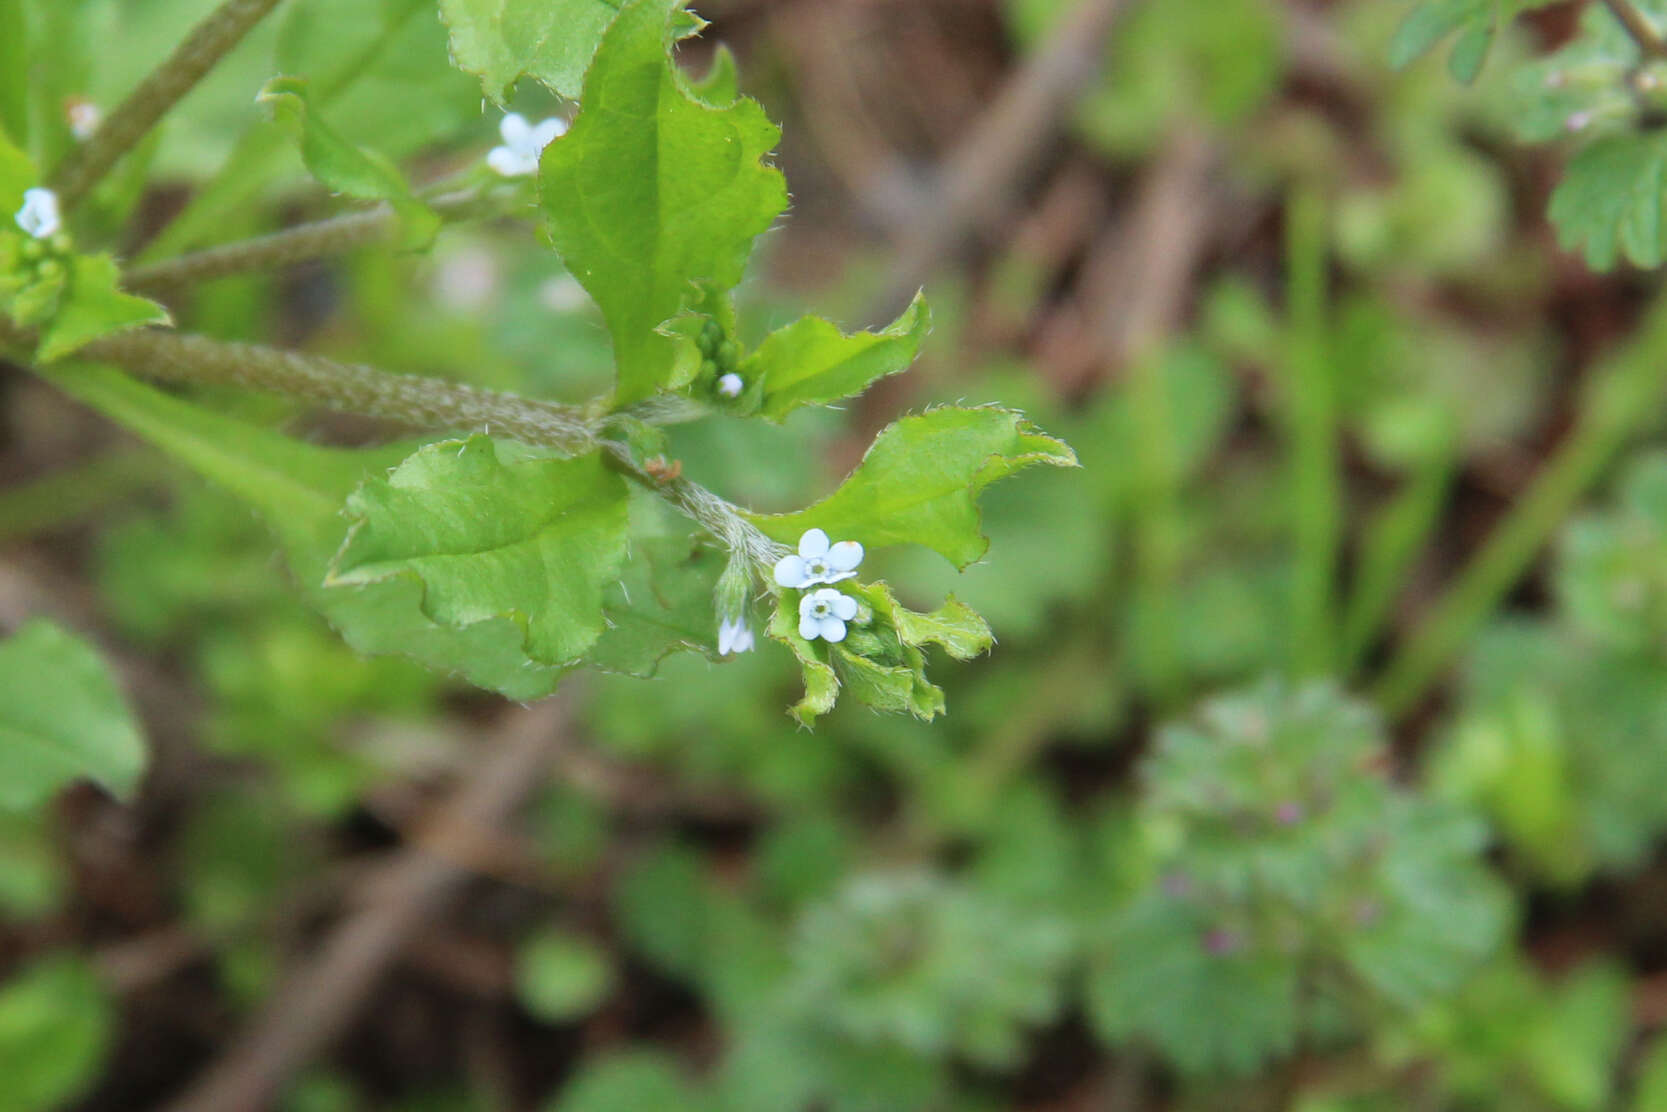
(207, 43)
(350, 387)
(316, 240)
(1650, 43)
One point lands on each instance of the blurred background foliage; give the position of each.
(1177, 845)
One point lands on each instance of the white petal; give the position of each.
(833, 630)
(726, 636)
(743, 641)
(845, 555)
(515, 129)
(813, 544)
(547, 132)
(39, 214)
(730, 385)
(509, 163)
(810, 628)
(845, 607)
(790, 571)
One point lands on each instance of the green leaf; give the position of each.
(1610, 201)
(94, 305)
(627, 1082)
(898, 688)
(17, 173)
(299, 489)
(62, 717)
(662, 604)
(654, 190)
(14, 76)
(954, 625)
(821, 684)
(56, 1025)
(810, 362)
(1473, 23)
(345, 168)
(501, 41)
(561, 976)
(919, 482)
(532, 539)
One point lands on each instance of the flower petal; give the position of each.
(845, 607)
(515, 129)
(845, 555)
(790, 572)
(509, 163)
(547, 132)
(813, 544)
(810, 628)
(743, 641)
(832, 630)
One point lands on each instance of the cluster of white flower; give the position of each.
(822, 613)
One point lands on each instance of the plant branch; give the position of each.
(421, 402)
(1650, 43)
(350, 387)
(302, 243)
(207, 43)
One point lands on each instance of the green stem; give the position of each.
(76, 492)
(1650, 43)
(1157, 541)
(207, 43)
(415, 400)
(1311, 426)
(302, 243)
(1393, 541)
(1624, 398)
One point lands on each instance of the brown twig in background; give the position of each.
(982, 171)
(1134, 287)
(321, 998)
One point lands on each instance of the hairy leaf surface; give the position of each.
(811, 362)
(653, 190)
(533, 539)
(501, 41)
(919, 482)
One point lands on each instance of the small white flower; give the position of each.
(523, 143)
(818, 561)
(84, 118)
(734, 636)
(730, 385)
(824, 614)
(39, 214)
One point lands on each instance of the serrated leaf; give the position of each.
(954, 625)
(93, 305)
(920, 479)
(897, 688)
(62, 718)
(299, 489)
(653, 190)
(533, 539)
(662, 604)
(1611, 200)
(551, 41)
(821, 684)
(810, 362)
(345, 168)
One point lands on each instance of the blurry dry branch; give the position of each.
(980, 174)
(321, 998)
(1134, 286)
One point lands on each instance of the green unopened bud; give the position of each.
(33, 250)
(728, 352)
(60, 243)
(49, 270)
